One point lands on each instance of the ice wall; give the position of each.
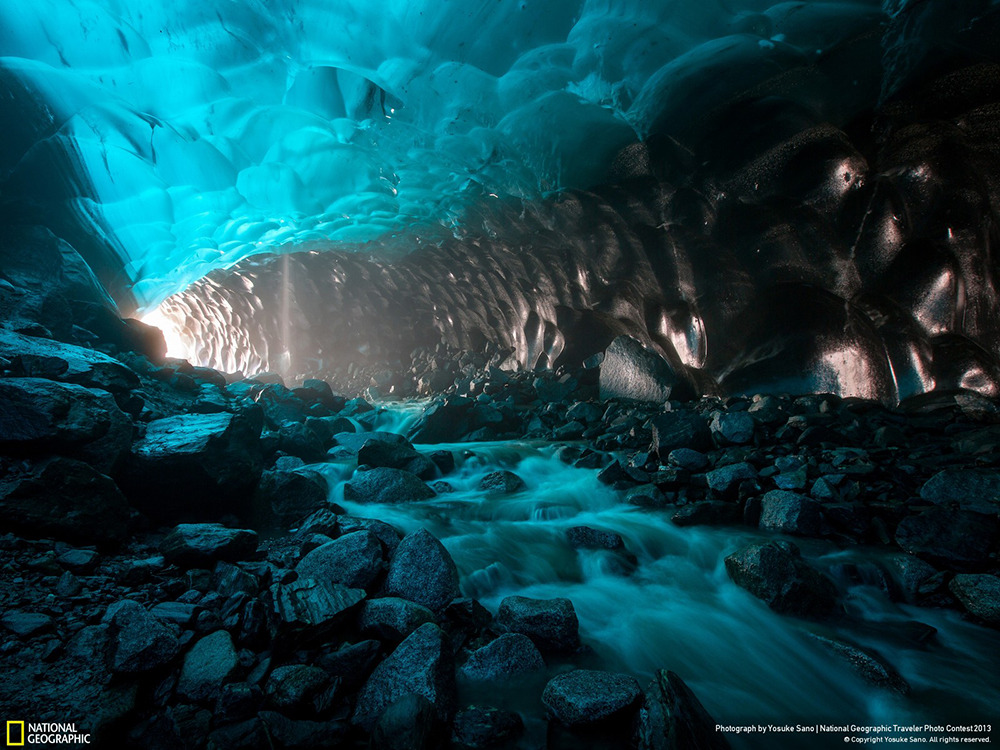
(166, 139)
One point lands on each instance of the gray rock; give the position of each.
(201, 545)
(970, 489)
(207, 666)
(53, 360)
(710, 513)
(181, 614)
(410, 723)
(65, 499)
(979, 594)
(291, 688)
(955, 539)
(869, 665)
(354, 560)
(296, 734)
(550, 623)
(284, 498)
(38, 415)
(726, 479)
(501, 483)
(508, 656)
(443, 422)
(391, 618)
(308, 610)
(789, 512)
(672, 717)
(26, 624)
(388, 486)
(585, 696)
(139, 642)
(388, 535)
(422, 571)
(776, 573)
(688, 459)
(79, 560)
(585, 537)
(396, 455)
(679, 429)
(481, 727)
(732, 428)
(631, 371)
(195, 466)
(421, 664)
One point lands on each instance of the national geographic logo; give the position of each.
(21, 733)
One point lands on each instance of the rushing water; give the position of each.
(678, 609)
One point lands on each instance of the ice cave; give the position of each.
(499, 373)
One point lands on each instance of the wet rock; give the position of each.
(388, 486)
(690, 460)
(138, 641)
(195, 466)
(65, 499)
(976, 490)
(443, 422)
(386, 534)
(201, 545)
(283, 498)
(631, 371)
(869, 665)
(207, 666)
(79, 560)
(352, 663)
(354, 560)
(726, 479)
(508, 656)
(979, 594)
(585, 537)
(421, 664)
(292, 688)
(26, 624)
(299, 734)
(959, 540)
(391, 618)
(399, 455)
(422, 571)
(410, 723)
(680, 429)
(482, 727)
(42, 416)
(307, 609)
(732, 428)
(671, 716)
(776, 573)
(550, 623)
(911, 575)
(585, 696)
(501, 483)
(710, 513)
(790, 513)
(44, 358)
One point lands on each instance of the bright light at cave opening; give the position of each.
(176, 344)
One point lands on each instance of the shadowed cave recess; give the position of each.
(512, 353)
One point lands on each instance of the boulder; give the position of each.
(292, 687)
(307, 610)
(385, 485)
(65, 499)
(201, 545)
(422, 571)
(732, 428)
(586, 696)
(710, 513)
(284, 498)
(421, 664)
(42, 416)
(790, 513)
(585, 537)
(979, 594)
(410, 723)
(776, 573)
(631, 371)
(869, 665)
(443, 422)
(679, 429)
(391, 618)
(509, 655)
(396, 455)
(970, 489)
(955, 539)
(354, 560)
(726, 479)
(291, 734)
(550, 623)
(672, 717)
(207, 666)
(195, 466)
(501, 483)
(139, 642)
(26, 624)
(34, 357)
(482, 727)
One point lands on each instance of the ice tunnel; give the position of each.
(796, 196)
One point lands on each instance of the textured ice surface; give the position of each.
(194, 133)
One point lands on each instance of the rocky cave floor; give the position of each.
(176, 576)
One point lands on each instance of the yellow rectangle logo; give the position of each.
(18, 739)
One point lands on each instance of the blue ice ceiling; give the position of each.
(187, 135)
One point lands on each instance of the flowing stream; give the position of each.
(678, 609)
